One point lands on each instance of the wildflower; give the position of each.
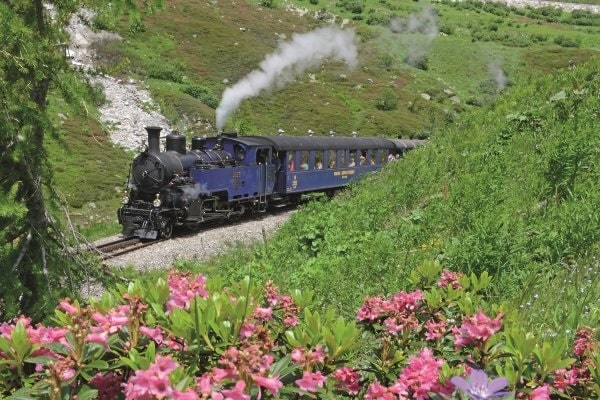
(68, 307)
(450, 278)
(183, 289)
(477, 387)
(108, 386)
(420, 377)
(237, 393)
(272, 384)
(263, 313)
(347, 380)
(370, 310)
(584, 342)
(377, 391)
(435, 330)
(310, 381)
(540, 393)
(476, 329)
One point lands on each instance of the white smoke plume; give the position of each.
(195, 191)
(304, 51)
(497, 74)
(424, 23)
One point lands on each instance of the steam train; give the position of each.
(225, 176)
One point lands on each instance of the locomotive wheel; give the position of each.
(166, 231)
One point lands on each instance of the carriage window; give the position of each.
(383, 156)
(342, 158)
(291, 161)
(304, 163)
(372, 157)
(352, 162)
(363, 157)
(332, 156)
(319, 159)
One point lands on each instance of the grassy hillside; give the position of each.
(191, 51)
(511, 189)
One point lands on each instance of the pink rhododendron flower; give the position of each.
(435, 330)
(310, 381)
(272, 384)
(540, 393)
(449, 278)
(347, 380)
(420, 377)
(476, 329)
(184, 289)
(585, 342)
(564, 378)
(68, 307)
(370, 310)
(108, 386)
(153, 333)
(377, 391)
(100, 337)
(263, 314)
(237, 393)
(153, 382)
(246, 330)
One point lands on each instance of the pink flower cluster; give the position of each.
(419, 378)
(347, 380)
(398, 312)
(108, 386)
(153, 383)
(39, 336)
(476, 330)
(450, 278)
(308, 358)
(284, 302)
(183, 289)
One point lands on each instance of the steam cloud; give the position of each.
(424, 23)
(194, 192)
(497, 74)
(291, 59)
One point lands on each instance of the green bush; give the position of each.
(166, 71)
(202, 93)
(566, 41)
(353, 6)
(387, 101)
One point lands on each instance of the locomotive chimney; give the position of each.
(153, 139)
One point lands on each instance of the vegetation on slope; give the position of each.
(512, 190)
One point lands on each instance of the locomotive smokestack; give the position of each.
(153, 139)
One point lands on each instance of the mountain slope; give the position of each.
(512, 190)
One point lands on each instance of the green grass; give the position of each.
(90, 173)
(511, 190)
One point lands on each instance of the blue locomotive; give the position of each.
(225, 176)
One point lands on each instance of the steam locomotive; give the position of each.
(225, 176)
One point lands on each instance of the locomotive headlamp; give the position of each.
(157, 202)
(125, 199)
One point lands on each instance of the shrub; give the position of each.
(353, 6)
(167, 71)
(202, 93)
(387, 101)
(191, 338)
(566, 41)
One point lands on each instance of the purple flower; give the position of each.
(477, 387)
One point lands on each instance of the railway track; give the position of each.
(121, 246)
